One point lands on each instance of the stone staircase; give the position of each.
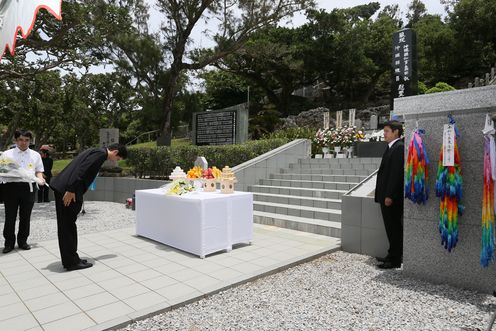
(307, 196)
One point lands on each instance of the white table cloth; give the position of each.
(200, 223)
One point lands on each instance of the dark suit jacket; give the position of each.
(78, 175)
(391, 174)
(47, 166)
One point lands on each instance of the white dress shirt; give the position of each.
(392, 142)
(28, 159)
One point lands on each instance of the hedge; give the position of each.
(158, 162)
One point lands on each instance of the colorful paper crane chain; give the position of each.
(487, 242)
(449, 184)
(417, 172)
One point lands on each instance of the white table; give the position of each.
(200, 223)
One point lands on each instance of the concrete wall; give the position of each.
(251, 171)
(362, 227)
(424, 256)
(118, 189)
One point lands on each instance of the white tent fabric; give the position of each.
(20, 15)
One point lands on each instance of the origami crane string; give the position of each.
(417, 172)
(449, 185)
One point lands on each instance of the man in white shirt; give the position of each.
(17, 194)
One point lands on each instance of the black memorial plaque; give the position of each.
(404, 80)
(216, 128)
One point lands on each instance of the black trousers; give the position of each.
(43, 192)
(17, 198)
(67, 230)
(393, 222)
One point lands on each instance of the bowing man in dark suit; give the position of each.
(389, 193)
(69, 187)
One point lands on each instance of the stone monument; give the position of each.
(108, 137)
(221, 127)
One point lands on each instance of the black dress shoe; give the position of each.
(7, 249)
(25, 246)
(79, 266)
(390, 265)
(383, 259)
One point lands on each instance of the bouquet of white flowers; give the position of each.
(179, 187)
(9, 169)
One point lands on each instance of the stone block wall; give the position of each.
(424, 256)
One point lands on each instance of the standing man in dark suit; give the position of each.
(389, 193)
(69, 187)
(47, 165)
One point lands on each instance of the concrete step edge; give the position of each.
(330, 224)
(283, 205)
(297, 197)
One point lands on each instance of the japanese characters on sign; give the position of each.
(404, 82)
(449, 145)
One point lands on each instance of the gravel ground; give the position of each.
(99, 216)
(339, 291)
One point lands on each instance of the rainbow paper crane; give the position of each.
(449, 184)
(20, 15)
(487, 240)
(417, 172)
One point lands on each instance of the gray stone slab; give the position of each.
(351, 211)
(351, 239)
(374, 242)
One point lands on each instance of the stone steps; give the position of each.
(298, 191)
(323, 214)
(308, 184)
(357, 166)
(373, 160)
(327, 171)
(298, 200)
(317, 177)
(327, 228)
(306, 196)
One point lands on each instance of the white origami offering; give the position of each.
(227, 180)
(20, 15)
(177, 173)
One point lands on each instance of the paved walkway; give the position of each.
(134, 277)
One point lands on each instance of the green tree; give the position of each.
(237, 21)
(474, 27)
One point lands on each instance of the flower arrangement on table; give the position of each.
(180, 187)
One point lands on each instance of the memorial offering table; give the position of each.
(199, 223)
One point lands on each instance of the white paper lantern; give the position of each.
(20, 15)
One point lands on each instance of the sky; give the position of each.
(200, 40)
(433, 7)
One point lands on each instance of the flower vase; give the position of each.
(325, 150)
(349, 152)
(337, 149)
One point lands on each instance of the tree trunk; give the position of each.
(165, 136)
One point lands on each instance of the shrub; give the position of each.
(158, 162)
(440, 87)
(292, 133)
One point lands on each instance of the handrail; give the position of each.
(137, 137)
